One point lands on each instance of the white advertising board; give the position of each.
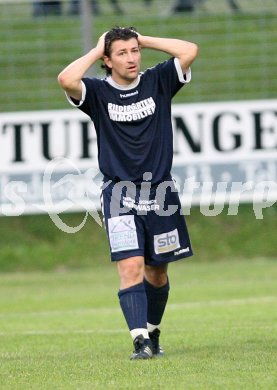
(224, 152)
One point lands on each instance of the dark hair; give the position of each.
(115, 34)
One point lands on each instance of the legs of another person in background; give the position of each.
(75, 7)
(42, 8)
(116, 6)
(190, 5)
(184, 6)
(233, 5)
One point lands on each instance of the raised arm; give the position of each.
(185, 51)
(70, 78)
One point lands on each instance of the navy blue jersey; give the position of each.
(133, 123)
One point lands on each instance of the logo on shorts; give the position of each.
(122, 233)
(166, 242)
(184, 250)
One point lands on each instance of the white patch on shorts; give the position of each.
(166, 242)
(122, 233)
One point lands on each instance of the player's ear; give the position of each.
(107, 61)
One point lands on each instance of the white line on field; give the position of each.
(170, 306)
(66, 332)
(37, 332)
(225, 302)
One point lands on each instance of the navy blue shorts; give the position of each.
(145, 221)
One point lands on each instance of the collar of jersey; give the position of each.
(134, 84)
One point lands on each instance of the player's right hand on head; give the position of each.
(101, 43)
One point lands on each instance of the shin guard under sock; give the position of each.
(156, 301)
(133, 303)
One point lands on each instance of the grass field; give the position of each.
(60, 323)
(64, 330)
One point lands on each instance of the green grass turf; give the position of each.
(64, 330)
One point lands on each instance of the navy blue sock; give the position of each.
(156, 301)
(133, 303)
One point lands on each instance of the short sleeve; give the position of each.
(183, 78)
(75, 102)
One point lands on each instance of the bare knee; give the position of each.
(156, 275)
(130, 271)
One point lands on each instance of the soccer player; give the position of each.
(131, 112)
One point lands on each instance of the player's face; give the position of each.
(124, 61)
